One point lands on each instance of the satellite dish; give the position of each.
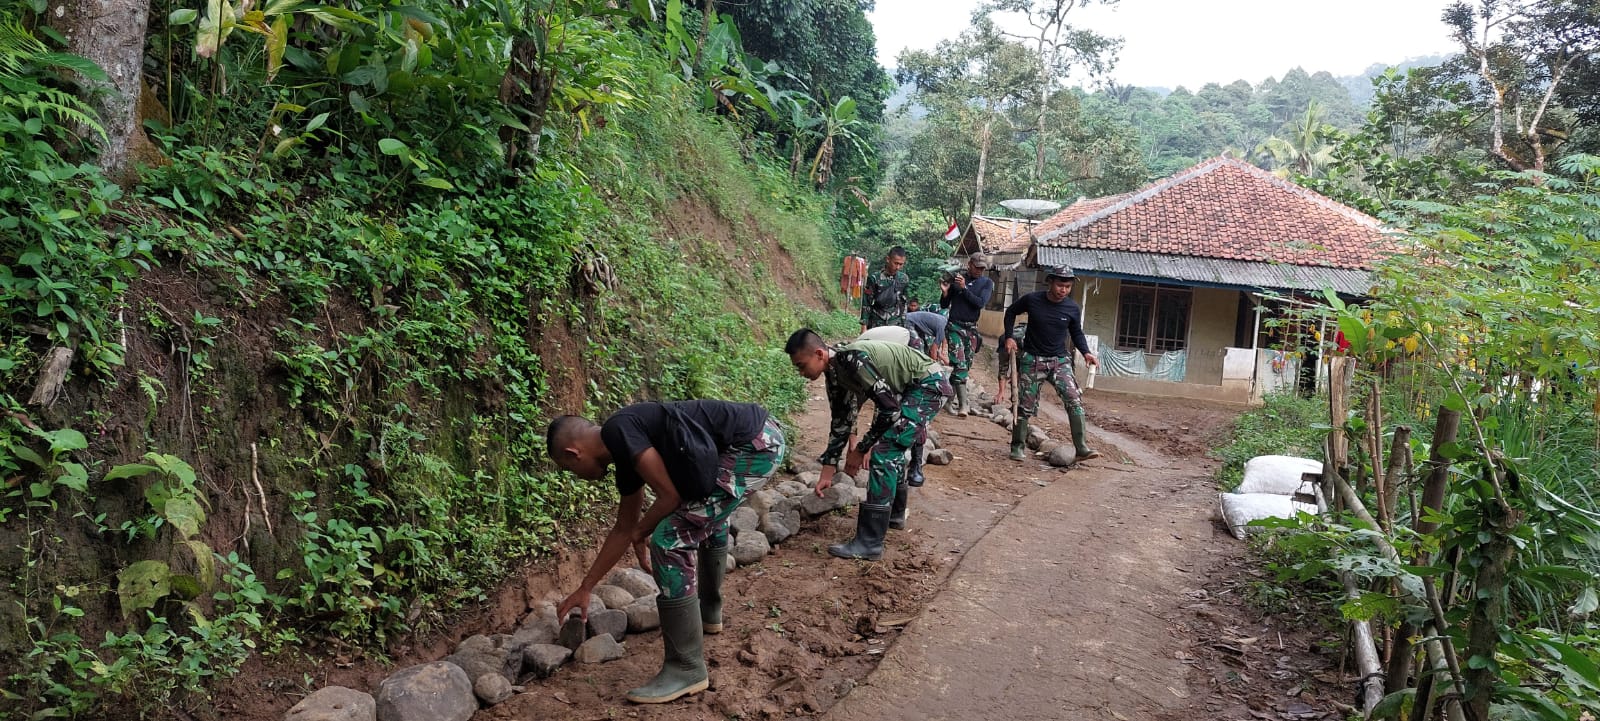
(1030, 208)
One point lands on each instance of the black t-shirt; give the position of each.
(1050, 325)
(644, 425)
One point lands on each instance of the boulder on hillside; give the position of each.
(634, 581)
(613, 596)
(599, 650)
(612, 622)
(543, 659)
(750, 548)
(335, 703)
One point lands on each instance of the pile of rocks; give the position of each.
(486, 670)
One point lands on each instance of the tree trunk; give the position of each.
(985, 136)
(111, 33)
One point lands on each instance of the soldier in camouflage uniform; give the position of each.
(907, 389)
(884, 297)
(686, 528)
(966, 294)
(1055, 330)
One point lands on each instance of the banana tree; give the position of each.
(838, 123)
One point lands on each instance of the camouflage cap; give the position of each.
(1059, 271)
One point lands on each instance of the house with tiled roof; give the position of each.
(1178, 279)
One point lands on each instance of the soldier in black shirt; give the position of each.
(700, 458)
(1054, 318)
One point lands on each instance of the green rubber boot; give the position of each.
(963, 404)
(1079, 444)
(872, 524)
(711, 566)
(683, 670)
(1019, 440)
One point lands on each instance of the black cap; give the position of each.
(1059, 271)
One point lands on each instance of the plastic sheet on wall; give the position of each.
(1170, 366)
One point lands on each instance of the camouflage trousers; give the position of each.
(887, 460)
(675, 543)
(873, 321)
(964, 344)
(1033, 372)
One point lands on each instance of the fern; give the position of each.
(25, 62)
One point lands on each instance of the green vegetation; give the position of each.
(1286, 424)
(310, 352)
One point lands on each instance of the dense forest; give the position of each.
(289, 289)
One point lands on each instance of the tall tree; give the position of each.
(1521, 53)
(980, 79)
(110, 33)
(1059, 49)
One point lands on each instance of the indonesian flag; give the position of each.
(953, 233)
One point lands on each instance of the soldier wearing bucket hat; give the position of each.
(1055, 330)
(965, 294)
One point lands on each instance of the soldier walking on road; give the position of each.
(907, 388)
(884, 298)
(1054, 319)
(965, 295)
(700, 458)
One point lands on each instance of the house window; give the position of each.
(1153, 318)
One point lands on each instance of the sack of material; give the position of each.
(1239, 509)
(1279, 475)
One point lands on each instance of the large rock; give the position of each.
(544, 658)
(775, 526)
(744, 519)
(599, 650)
(1064, 455)
(858, 495)
(844, 479)
(634, 581)
(573, 632)
(612, 622)
(809, 478)
(729, 563)
(793, 489)
(335, 703)
(1002, 417)
(497, 661)
(536, 630)
(492, 689)
(613, 596)
(832, 499)
(438, 691)
(763, 500)
(596, 604)
(933, 440)
(644, 616)
(1035, 440)
(475, 644)
(940, 457)
(1048, 445)
(750, 548)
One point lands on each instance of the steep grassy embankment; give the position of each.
(344, 397)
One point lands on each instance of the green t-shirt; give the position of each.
(901, 365)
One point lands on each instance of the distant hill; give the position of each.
(1360, 86)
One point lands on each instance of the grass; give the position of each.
(1288, 424)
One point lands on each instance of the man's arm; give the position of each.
(1018, 307)
(842, 407)
(869, 292)
(1075, 327)
(616, 544)
(978, 292)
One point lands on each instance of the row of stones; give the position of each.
(484, 670)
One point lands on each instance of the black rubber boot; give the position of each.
(711, 566)
(919, 455)
(1019, 440)
(683, 667)
(872, 524)
(897, 512)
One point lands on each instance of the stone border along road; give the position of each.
(1064, 609)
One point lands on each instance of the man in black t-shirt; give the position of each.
(668, 446)
(1055, 329)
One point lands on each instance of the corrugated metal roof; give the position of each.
(1244, 275)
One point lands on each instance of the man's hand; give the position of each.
(578, 600)
(1011, 346)
(863, 329)
(960, 281)
(944, 286)
(825, 480)
(853, 462)
(1091, 360)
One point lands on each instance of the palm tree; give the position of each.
(1305, 149)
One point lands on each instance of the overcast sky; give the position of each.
(1192, 42)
